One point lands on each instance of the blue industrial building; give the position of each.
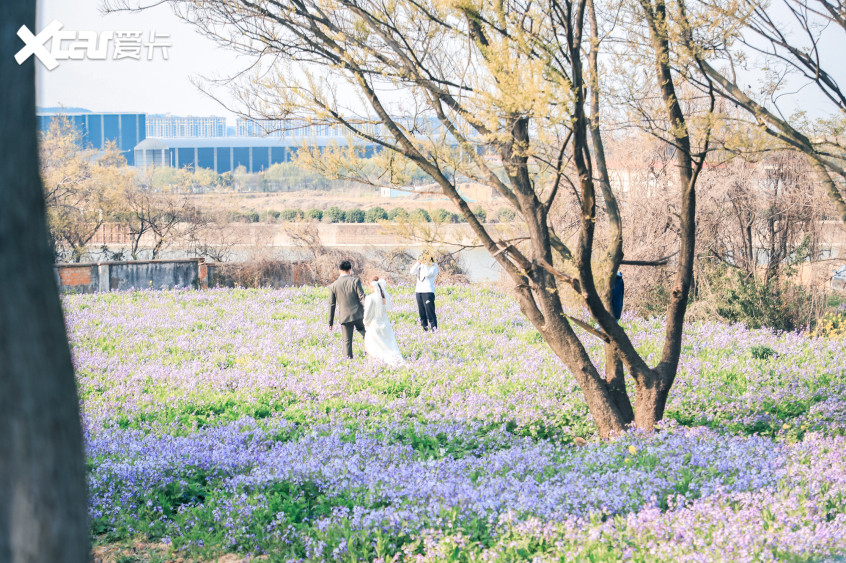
(225, 154)
(125, 129)
(221, 154)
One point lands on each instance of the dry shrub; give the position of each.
(763, 233)
(391, 265)
(262, 270)
(451, 268)
(314, 264)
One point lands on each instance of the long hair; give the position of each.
(379, 285)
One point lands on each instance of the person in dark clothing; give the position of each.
(348, 296)
(617, 296)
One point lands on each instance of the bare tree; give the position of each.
(642, 174)
(763, 213)
(498, 78)
(80, 188)
(764, 231)
(43, 500)
(212, 236)
(788, 48)
(158, 214)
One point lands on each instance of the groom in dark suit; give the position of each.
(347, 294)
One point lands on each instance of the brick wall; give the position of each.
(75, 276)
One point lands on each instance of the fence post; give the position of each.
(203, 273)
(103, 278)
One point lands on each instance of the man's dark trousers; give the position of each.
(426, 308)
(347, 331)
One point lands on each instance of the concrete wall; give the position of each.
(142, 274)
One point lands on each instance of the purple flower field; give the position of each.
(226, 421)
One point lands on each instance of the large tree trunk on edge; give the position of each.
(43, 505)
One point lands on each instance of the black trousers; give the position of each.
(426, 308)
(347, 331)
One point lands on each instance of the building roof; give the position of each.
(47, 113)
(171, 116)
(151, 144)
(238, 142)
(59, 109)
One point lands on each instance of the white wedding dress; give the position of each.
(379, 339)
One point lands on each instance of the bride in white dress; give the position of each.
(379, 339)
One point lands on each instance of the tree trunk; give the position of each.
(560, 337)
(651, 399)
(616, 381)
(43, 512)
(614, 375)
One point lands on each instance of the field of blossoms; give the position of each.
(226, 421)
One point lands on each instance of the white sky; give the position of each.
(127, 85)
(160, 86)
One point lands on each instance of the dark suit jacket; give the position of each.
(347, 294)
